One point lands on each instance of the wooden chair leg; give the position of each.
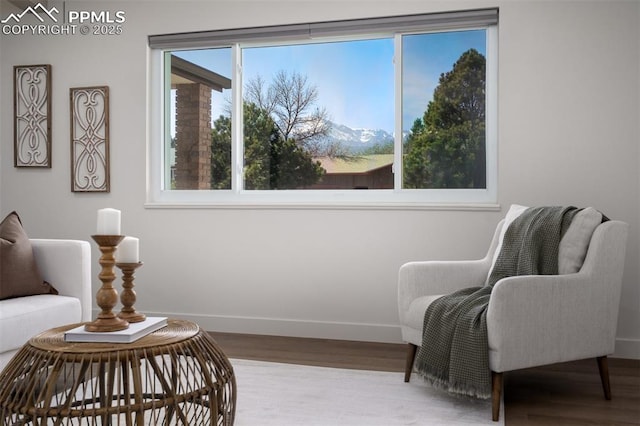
(603, 367)
(496, 394)
(408, 367)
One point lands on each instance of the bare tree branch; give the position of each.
(290, 100)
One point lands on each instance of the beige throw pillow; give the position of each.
(575, 242)
(19, 274)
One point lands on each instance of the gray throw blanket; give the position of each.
(454, 355)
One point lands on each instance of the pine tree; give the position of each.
(270, 161)
(446, 149)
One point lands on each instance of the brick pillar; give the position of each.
(193, 136)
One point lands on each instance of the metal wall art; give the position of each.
(32, 115)
(90, 139)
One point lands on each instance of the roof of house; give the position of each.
(355, 165)
(183, 71)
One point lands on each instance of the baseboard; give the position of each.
(383, 333)
(627, 348)
(293, 328)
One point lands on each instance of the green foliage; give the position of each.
(221, 153)
(380, 148)
(446, 148)
(270, 161)
(259, 133)
(291, 166)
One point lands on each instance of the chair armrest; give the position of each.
(66, 264)
(431, 278)
(426, 278)
(537, 320)
(545, 319)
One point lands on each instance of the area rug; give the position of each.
(271, 394)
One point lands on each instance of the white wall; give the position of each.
(568, 134)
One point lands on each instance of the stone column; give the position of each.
(193, 136)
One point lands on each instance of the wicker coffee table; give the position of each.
(174, 376)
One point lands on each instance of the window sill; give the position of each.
(302, 200)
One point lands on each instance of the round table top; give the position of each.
(53, 339)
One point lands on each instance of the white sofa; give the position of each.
(66, 264)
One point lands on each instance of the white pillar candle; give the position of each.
(127, 251)
(108, 222)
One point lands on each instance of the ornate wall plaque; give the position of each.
(32, 115)
(89, 139)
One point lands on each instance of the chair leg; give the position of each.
(408, 367)
(496, 394)
(603, 367)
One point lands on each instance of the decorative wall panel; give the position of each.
(32, 115)
(90, 139)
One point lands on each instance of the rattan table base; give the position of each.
(174, 376)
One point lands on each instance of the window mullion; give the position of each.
(491, 111)
(166, 152)
(237, 146)
(397, 144)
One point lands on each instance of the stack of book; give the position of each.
(136, 330)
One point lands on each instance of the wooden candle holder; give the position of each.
(128, 295)
(107, 296)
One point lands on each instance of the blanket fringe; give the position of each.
(464, 390)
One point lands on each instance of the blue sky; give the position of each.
(355, 80)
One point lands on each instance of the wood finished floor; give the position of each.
(561, 394)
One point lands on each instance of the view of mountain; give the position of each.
(357, 139)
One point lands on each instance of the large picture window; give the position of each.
(403, 108)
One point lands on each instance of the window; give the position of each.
(403, 108)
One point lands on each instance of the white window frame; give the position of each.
(159, 196)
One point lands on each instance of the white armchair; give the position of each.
(531, 320)
(66, 264)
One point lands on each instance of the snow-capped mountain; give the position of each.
(344, 138)
(357, 137)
